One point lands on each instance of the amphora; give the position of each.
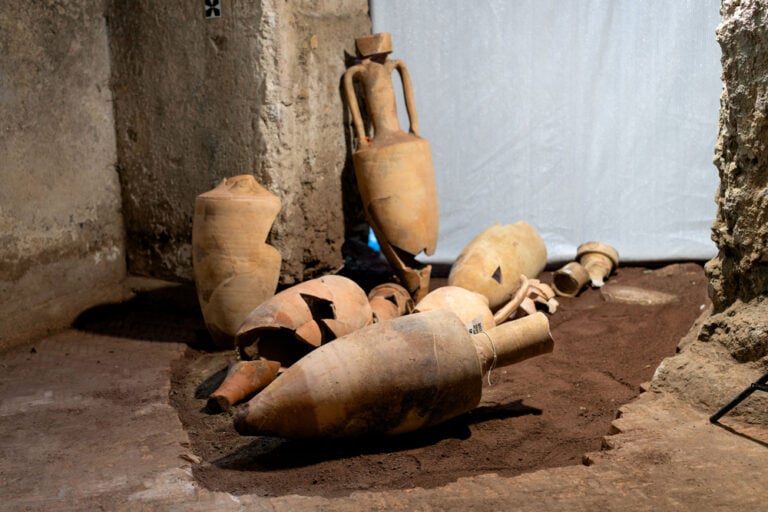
(391, 377)
(394, 169)
(299, 319)
(492, 264)
(235, 269)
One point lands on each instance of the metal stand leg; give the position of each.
(759, 384)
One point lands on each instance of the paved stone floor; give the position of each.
(86, 427)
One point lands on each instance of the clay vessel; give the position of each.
(600, 260)
(569, 280)
(388, 301)
(394, 170)
(531, 295)
(391, 377)
(234, 269)
(470, 307)
(244, 378)
(538, 294)
(493, 262)
(299, 319)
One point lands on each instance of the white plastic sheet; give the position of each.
(591, 120)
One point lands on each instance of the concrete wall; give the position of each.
(61, 234)
(254, 91)
(195, 100)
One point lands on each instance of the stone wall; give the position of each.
(253, 91)
(736, 330)
(61, 234)
(740, 271)
(739, 274)
(180, 101)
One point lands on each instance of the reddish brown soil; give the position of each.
(541, 413)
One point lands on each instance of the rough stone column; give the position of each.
(254, 91)
(727, 348)
(739, 274)
(61, 234)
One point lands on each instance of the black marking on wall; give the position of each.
(212, 8)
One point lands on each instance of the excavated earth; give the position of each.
(543, 413)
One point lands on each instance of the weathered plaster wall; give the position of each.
(736, 330)
(61, 235)
(254, 91)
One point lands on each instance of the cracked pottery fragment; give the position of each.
(389, 300)
(299, 319)
(244, 379)
(570, 279)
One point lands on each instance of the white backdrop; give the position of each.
(591, 120)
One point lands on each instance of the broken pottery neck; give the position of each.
(513, 342)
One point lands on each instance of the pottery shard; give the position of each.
(635, 295)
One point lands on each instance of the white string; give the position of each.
(493, 363)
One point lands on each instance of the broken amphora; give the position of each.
(299, 319)
(492, 264)
(235, 269)
(394, 169)
(243, 379)
(472, 308)
(569, 279)
(537, 295)
(391, 377)
(388, 301)
(600, 260)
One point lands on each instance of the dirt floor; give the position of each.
(542, 413)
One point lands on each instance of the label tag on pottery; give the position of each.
(475, 325)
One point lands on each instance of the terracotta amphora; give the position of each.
(388, 301)
(391, 377)
(470, 307)
(299, 319)
(569, 280)
(243, 380)
(492, 264)
(600, 260)
(394, 169)
(235, 269)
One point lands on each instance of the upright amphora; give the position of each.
(394, 169)
(235, 269)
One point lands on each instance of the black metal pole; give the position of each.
(759, 384)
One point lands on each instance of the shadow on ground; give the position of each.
(269, 453)
(166, 314)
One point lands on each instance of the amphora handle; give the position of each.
(357, 120)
